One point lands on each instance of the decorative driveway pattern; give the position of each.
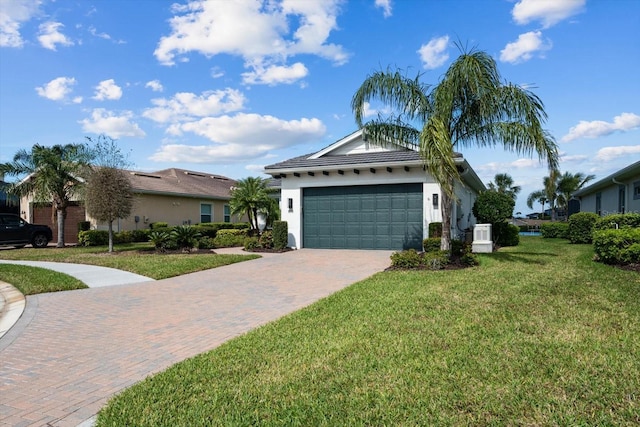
(71, 351)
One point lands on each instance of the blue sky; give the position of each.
(230, 86)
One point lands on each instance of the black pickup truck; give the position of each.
(15, 231)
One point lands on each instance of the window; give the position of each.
(436, 203)
(621, 199)
(290, 204)
(205, 213)
(227, 213)
(636, 190)
(599, 203)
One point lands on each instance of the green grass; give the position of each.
(126, 257)
(537, 335)
(35, 280)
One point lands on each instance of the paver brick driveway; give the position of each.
(76, 349)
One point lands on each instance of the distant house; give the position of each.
(174, 196)
(617, 193)
(356, 195)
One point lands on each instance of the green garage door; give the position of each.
(363, 217)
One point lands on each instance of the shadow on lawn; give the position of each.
(537, 258)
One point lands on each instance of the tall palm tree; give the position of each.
(504, 184)
(250, 197)
(568, 184)
(539, 196)
(51, 174)
(470, 106)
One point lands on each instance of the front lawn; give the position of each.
(134, 257)
(537, 335)
(35, 280)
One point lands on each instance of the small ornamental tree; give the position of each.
(108, 196)
(493, 208)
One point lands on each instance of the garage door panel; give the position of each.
(363, 217)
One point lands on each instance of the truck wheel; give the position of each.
(40, 241)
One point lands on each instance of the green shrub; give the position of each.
(140, 235)
(280, 235)
(160, 239)
(159, 224)
(406, 259)
(229, 238)
(435, 260)
(93, 238)
(123, 237)
(250, 243)
(185, 236)
(470, 259)
(457, 247)
(84, 226)
(435, 229)
(265, 240)
(206, 242)
(628, 220)
(206, 231)
(616, 246)
(506, 234)
(240, 225)
(555, 230)
(581, 227)
(431, 244)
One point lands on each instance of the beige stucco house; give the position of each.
(175, 196)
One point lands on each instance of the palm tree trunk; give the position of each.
(61, 214)
(445, 241)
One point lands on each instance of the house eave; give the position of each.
(623, 174)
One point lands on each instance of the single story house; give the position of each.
(616, 193)
(174, 196)
(354, 194)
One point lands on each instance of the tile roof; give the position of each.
(347, 159)
(182, 182)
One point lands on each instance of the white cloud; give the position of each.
(521, 163)
(433, 54)
(385, 5)
(239, 137)
(368, 111)
(575, 158)
(187, 106)
(12, 15)
(261, 33)
(548, 12)
(597, 128)
(106, 122)
(609, 153)
(275, 74)
(108, 89)
(524, 48)
(255, 168)
(57, 89)
(50, 36)
(154, 85)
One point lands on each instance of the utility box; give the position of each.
(482, 239)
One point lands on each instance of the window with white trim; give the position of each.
(227, 213)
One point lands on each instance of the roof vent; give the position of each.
(146, 175)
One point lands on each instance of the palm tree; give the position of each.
(52, 174)
(250, 197)
(568, 184)
(504, 184)
(539, 196)
(470, 106)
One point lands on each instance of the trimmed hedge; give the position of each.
(228, 238)
(506, 234)
(435, 229)
(280, 234)
(628, 220)
(581, 227)
(101, 237)
(620, 246)
(431, 244)
(555, 230)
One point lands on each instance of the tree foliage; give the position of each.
(557, 190)
(470, 106)
(503, 183)
(493, 207)
(252, 196)
(53, 175)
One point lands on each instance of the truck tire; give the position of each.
(40, 241)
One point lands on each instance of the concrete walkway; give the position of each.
(71, 351)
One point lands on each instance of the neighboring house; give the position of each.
(617, 193)
(8, 203)
(174, 196)
(353, 194)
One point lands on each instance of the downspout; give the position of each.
(615, 181)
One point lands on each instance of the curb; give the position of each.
(13, 307)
